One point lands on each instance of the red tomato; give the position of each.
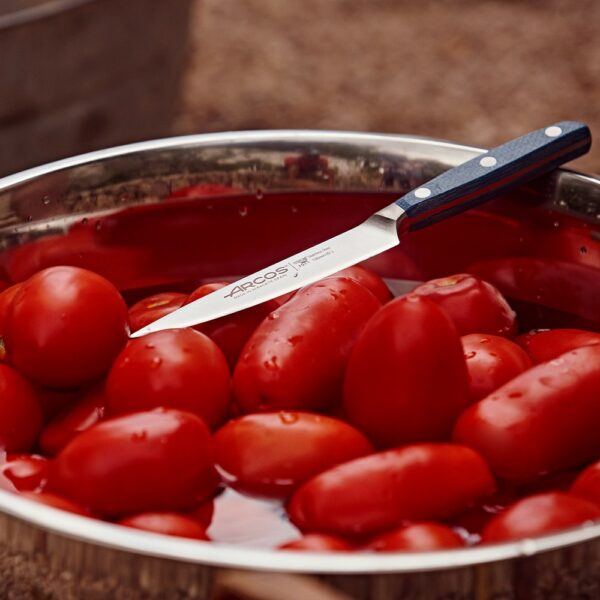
(474, 305)
(544, 345)
(491, 361)
(587, 485)
(319, 542)
(270, 454)
(179, 368)
(378, 492)
(536, 515)
(296, 357)
(232, 332)
(166, 523)
(154, 307)
(369, 279)
(417, 537)
(543, 421)
(20, 412)
(65, 326)
(6, 298)
(56, 501)
(574, 244)
(572, 289)
(27, 472)
(77, 418)
(203, 513)
(406, 378)
(146, 461)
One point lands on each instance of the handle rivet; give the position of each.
(553, 131)
(422, 192)
(488, 161)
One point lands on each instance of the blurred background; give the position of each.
(77, 75)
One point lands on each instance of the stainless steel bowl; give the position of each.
(52, 554)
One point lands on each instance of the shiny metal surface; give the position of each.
(38, 543)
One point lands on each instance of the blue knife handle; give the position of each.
(480, 179)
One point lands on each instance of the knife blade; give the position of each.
(456, 190)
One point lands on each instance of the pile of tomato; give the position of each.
(419, 422)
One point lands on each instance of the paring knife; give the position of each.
(450, 193)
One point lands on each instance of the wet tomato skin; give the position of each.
(319, 542)
(378, 492)
(491, 362)
(177, 368)
(541, 422)
(6, 298)
(232, 332)
(295, 359)
(368, 279)
(27, 472)
(87, 411)
(587, 484)
(57, 501)
(539, 514)
(389, 391)
(416, 537)
(166, 523)
(65, 326)
(544, 345)
(146, 461)
(474, 305)
(20, 412)
(270, 454)
(154, 307)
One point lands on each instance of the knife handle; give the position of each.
(480, 179)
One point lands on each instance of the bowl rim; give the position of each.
(121, 538)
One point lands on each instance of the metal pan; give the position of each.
(52, 554)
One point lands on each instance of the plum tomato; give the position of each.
(154, 307)
(27, 472)
(56, 501)
(232, 332)
(406, 379)
(146, 461)
(587, 484)
(65, 326)
(543, 345)
(474, 305)
(539, 514)
(541, 284)
(319, 542)
(6, 298)
(166, 523)
(20, 412)
(416, 537)
(295, 359)
(77, 418)
(369, 279)
(270, 454)
(491, 362)
(541, 422)
(374, 493)
(177, 368)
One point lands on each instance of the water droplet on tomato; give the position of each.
(470, 354)
(515, 394)
(288, 418)
(243, 211)
(484, 340)
(138, 436)
(156, 362)
(84, 221)
(259, 194)
(271, 364)
(98, 225)
(295, 339)
(150, 346)
(45, 200)
(583, 250)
